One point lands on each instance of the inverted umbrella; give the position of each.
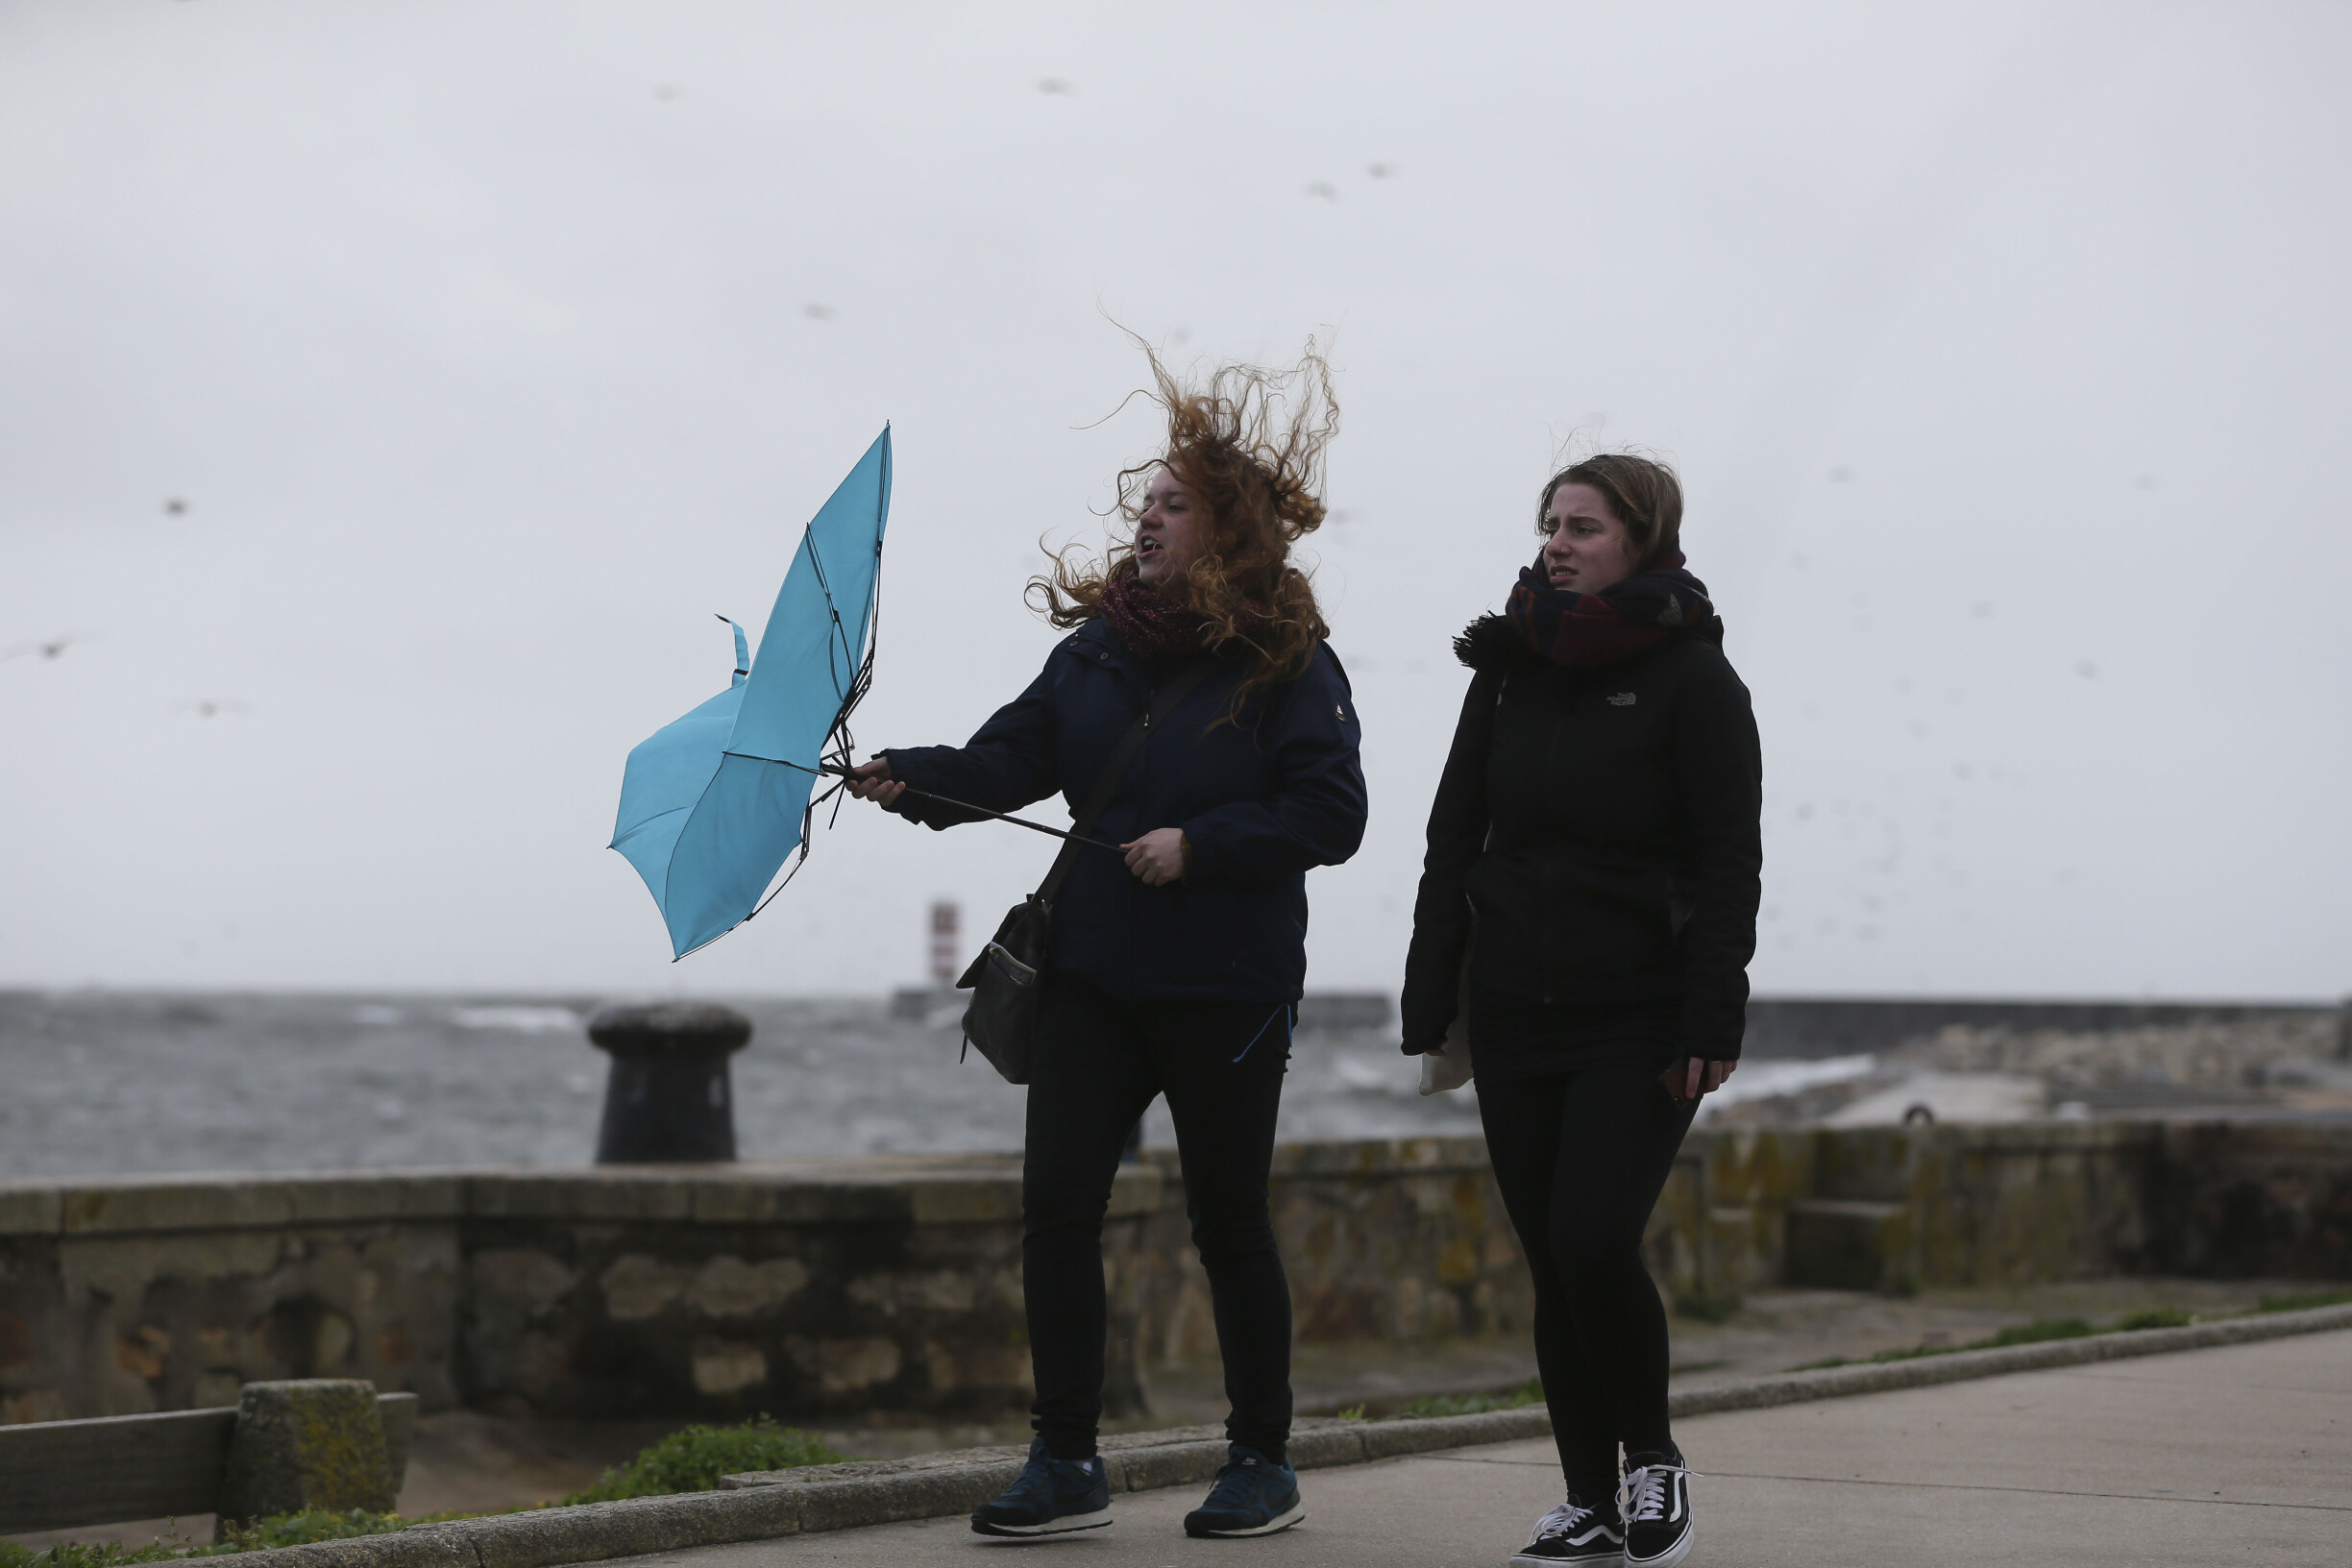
(712, 805)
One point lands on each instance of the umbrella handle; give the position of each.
(1002, 816)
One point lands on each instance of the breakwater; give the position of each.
(873, 1287)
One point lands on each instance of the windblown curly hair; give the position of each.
(1248, 444)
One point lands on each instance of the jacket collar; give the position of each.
(1099, 642)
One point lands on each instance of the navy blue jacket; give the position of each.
(1260, 801)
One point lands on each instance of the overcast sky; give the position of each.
(394, 390)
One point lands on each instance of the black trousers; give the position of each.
(1582, 1157)
(1097, 1064)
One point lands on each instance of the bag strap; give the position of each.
(1174, 690)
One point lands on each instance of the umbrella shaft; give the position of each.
(1002, 816)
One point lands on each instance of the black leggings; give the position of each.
(1580, 1158)
(1096, 1066)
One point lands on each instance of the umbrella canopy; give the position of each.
(712, 805)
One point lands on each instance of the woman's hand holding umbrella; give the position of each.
(872, 782)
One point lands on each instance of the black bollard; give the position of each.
(667, 1099)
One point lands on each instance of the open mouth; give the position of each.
(1148, 546)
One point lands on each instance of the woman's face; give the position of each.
(1588, 548)
(1171, 534)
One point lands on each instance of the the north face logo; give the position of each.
(1621, 699)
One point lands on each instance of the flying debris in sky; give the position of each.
(820, 312)
(48, 649)
(174, 506)
(211, 707)
(1382, 171)
(1325, 190)
(1055, 87)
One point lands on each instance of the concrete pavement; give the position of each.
(2227, 1455)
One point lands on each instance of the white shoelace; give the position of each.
(1560, 1523)
(1642, 1499)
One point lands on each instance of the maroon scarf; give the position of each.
(1633, 617)
(1156, 626)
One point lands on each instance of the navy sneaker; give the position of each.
(1572, 1535)
(1656, 1504)
(1252, 1496)
(1052, 1497)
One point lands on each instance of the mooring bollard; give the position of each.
(667, 1098)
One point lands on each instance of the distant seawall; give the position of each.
(826, 1289)
(1819, 1026)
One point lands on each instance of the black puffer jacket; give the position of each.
(1596, 833)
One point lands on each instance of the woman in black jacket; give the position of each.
(1174, 971)
(1589, 900)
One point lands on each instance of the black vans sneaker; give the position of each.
(1051, 1498)
(1572, 1534)
(1252, 1496)
(1655, 1505)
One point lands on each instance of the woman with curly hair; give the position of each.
(1175, 969)
(1595, 855)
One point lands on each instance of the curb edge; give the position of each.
(931, 1486)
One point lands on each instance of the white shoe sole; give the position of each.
(1067, 1524)
(1270, 1528)
(1606, 1559)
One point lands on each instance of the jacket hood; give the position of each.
(1489, 643)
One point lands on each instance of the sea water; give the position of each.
(114, 1082)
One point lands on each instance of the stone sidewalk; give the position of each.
(2235, 1455)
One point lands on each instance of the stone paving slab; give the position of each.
(2240, 1454)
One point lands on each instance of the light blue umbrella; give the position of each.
(711, 806)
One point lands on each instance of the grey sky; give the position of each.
(492, 347)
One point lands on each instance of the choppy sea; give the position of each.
(113, 1082)
(108, 1082)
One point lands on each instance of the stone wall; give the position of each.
(713, 1292)
(892, 1286)
(1390, 1240)
(122, 1297)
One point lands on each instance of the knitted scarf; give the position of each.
(1617, 623)
(1157, 627)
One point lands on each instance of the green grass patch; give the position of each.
(1708, 1306)
(693, 1459)
(2035, 1332)
(279, 1530)
(76, 1554)
(282, 1530)
(321, 1525)
(1526, 1393)
(2153, 1317)
(2302, 1301)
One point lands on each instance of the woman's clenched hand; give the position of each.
(1691, 1079)
(1158, 857)
(872, 782)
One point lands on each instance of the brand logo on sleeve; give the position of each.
(1621, 699)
